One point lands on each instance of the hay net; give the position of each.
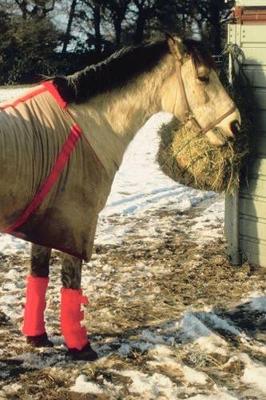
(189, 158)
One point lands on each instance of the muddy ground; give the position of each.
(145, 294)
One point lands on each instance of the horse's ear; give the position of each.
(175, 45)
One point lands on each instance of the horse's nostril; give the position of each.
(235, 127)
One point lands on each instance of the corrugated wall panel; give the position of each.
(253, 228)
(253, 250)
(256, 168)
(252, 36)
(258, 143)
(256, 75)
(260, 120)
(251, 3)
(252, 196)
(254, 188)
(260, 98)
(253, 208)
(254, 55)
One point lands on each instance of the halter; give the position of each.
(189, 113)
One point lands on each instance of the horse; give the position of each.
(62, 143)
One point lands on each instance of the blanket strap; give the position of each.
(61, 161)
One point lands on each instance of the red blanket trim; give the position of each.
(61, 161)
(54, 92)
(47, 185)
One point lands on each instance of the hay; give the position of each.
(188, 158)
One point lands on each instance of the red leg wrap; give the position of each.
(35, 306)
(71, 316)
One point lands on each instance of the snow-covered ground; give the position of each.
(169, 316)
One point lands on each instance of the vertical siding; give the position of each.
(251, 3)
(252, 196)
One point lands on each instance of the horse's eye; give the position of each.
(204, 79)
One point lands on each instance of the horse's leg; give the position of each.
(75, 335)
(37, 282)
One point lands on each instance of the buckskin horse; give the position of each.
(62, 143)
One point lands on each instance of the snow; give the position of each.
(151, 386)
(11, 389)
(82, 385)
(257, 302)
(211, 217)
(254, 374)
(194, 377)
(217, 396)
(193, 329)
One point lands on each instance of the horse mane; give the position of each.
(121, 67)
(199, 53)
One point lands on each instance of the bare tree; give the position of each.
(67, 35)
(92, 14)
(35, 9)
(209, 15)
(145, 9)
(117, 10)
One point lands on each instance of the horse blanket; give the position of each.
(52, 184)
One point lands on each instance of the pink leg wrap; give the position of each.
(35, 305)
(71, 316)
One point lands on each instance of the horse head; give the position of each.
(194, 93)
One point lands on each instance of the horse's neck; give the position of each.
(110, 121)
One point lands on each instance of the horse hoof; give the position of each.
(39, 341)
(85, 354)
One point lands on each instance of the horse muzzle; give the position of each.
(226, 131)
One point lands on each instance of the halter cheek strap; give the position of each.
(189, 113)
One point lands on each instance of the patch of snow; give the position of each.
(221, 323)
(9, 286)
(151, 386)
(161, 351)
(82, 385)
(12, 388)
(10, 245)
(37, 361)
(210, 223)
(166, 359)
(151, 337)
(124, 349)
(12, 274)
(212, 344)
(254, 373)
(217, 396)
(194, 377)
(258, 303)
(142, 346)
(193, 329)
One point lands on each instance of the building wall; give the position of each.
(251, 3)
(249, 223)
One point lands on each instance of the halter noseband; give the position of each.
(189, 113)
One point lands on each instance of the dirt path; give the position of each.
(169, 316)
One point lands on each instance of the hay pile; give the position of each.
(188, 158)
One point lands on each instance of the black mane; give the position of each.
(121, 67)
(199, 53)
